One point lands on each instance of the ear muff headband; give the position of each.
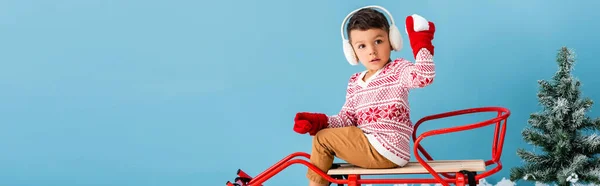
(394, 35)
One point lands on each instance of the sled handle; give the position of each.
(497, 145)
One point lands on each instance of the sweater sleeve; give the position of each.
(346, 117)
(419, 74)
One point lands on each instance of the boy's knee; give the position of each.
(319, 133)
(321, 138)
(323, 134)
(317, 137)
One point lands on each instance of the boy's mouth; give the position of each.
(375, 60)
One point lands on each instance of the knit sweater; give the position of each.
(379, 106)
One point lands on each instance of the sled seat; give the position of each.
(440, 166)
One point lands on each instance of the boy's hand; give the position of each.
(309, 122)
(302, 126)
(420, 33)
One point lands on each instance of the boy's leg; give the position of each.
(347, 143)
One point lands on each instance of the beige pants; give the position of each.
(347, 143)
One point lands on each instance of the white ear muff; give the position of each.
(394, 36)
(349, 53)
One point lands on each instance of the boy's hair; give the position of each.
(367, 18)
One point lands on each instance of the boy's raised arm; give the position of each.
(422, 72)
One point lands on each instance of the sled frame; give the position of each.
(455, 174)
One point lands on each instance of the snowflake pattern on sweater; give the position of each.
(379, 106)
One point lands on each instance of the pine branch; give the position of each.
(546, 87)
(530, 172)
(546, 98)
(544, 174)
(574, 91)
(578, 117)
(517, 173)
(577, 163)
(563, 147)
(534, 159)
(547, 93)
(588, 145)
(565, 59)
(586, 103)
(560, 109)
(538, 121)
(592, 175)
(591, 124)
(537, 138)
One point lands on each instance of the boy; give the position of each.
(373, 128)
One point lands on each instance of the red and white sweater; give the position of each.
(379, 106)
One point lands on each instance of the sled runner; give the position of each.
(445, 172)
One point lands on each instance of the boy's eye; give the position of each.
(361, 46)
(378, 41)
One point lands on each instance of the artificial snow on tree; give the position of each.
(568, 139)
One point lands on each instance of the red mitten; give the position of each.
(309, 122)
(302, 126)
(420, 33)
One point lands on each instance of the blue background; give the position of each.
(181, 92)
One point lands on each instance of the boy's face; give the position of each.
(372, 47)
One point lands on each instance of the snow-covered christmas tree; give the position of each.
(568, 139)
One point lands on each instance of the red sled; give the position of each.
(444, 172)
